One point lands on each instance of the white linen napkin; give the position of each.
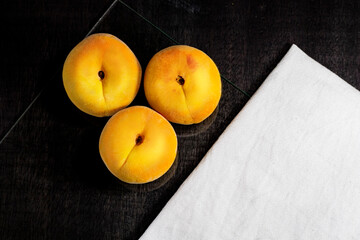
(287, 167)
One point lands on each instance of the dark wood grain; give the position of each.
(53, 182)
(37, 36)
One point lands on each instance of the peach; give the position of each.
(183, 84)
(101, 75)
(138, 145)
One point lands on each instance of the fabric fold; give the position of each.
(287, 167)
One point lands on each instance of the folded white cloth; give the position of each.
(287, 167)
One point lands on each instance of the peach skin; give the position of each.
(138, 145)
(101, 75)
(183, 84)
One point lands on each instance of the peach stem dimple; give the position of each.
(101, 74)
(180, 80)
(139, 140)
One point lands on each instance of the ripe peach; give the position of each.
(101, 75)
(138, 145)
(183, 84)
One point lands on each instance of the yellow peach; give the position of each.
(138, 145)
(183, 84)
(101, 75)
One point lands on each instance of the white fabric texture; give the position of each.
(287, 167)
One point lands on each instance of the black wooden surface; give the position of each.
(53, 182)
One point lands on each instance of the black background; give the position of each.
(53, 182)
